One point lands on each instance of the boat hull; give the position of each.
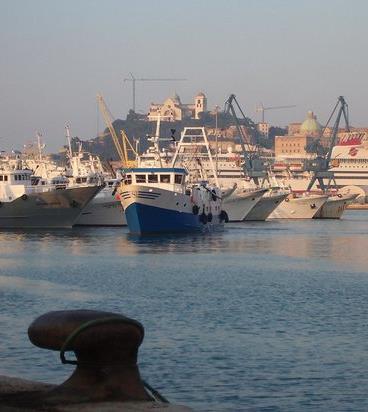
(238, 205)
(299, 207)
(154, 210)
(52, 209)
(265, 206)
(334, 207)
(103, 210)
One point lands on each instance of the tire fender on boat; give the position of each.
(224, 216)
(203, 218)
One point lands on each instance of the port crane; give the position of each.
(123, 146)
(320, 165)
(253, 165)
(262, 109)
(133, 80)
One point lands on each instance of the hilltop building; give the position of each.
(299, 136)
(173, 109)
(263, 128)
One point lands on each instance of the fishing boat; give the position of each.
(305, 206)
(105, 208)
(266, 205)
(240, 203)
(29, 202)
(335, 206)
(158, 200)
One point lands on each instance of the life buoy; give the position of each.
(313, 206)
(195, 210)
(24, 197)
(287, 199)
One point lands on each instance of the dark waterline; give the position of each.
(262, 316)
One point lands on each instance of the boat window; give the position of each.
(140, 178)
(78, 180)
(152, 178)
(128, 180)
(164, 178)
(178, 179)
(84, 179)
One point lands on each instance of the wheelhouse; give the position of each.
(16, 177)
(174, 178)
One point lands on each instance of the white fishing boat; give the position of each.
(28, 202)
(265, 206)
(105, 208)
(335, 206)
(158, 200)
(239, 204)
(305, 206)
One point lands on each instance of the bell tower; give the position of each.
(200, 104)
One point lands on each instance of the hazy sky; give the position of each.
(56, 55)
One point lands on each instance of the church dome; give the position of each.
(310, 126)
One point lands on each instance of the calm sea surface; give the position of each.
(268, 316)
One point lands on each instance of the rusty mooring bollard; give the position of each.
(105, 346)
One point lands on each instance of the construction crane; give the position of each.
(135, 79)
(262, 109)
(253, 166)
(321, 164)
(121, 147)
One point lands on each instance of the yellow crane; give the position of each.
(121, 147)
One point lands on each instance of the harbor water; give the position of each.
(264, 316)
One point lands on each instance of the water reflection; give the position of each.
(340, 242)
(44, 288)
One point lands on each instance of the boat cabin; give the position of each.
(14, 183)
(16, 177)
(165, 178)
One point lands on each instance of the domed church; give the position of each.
(174, 110)
(299, 136)
(310, 126)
